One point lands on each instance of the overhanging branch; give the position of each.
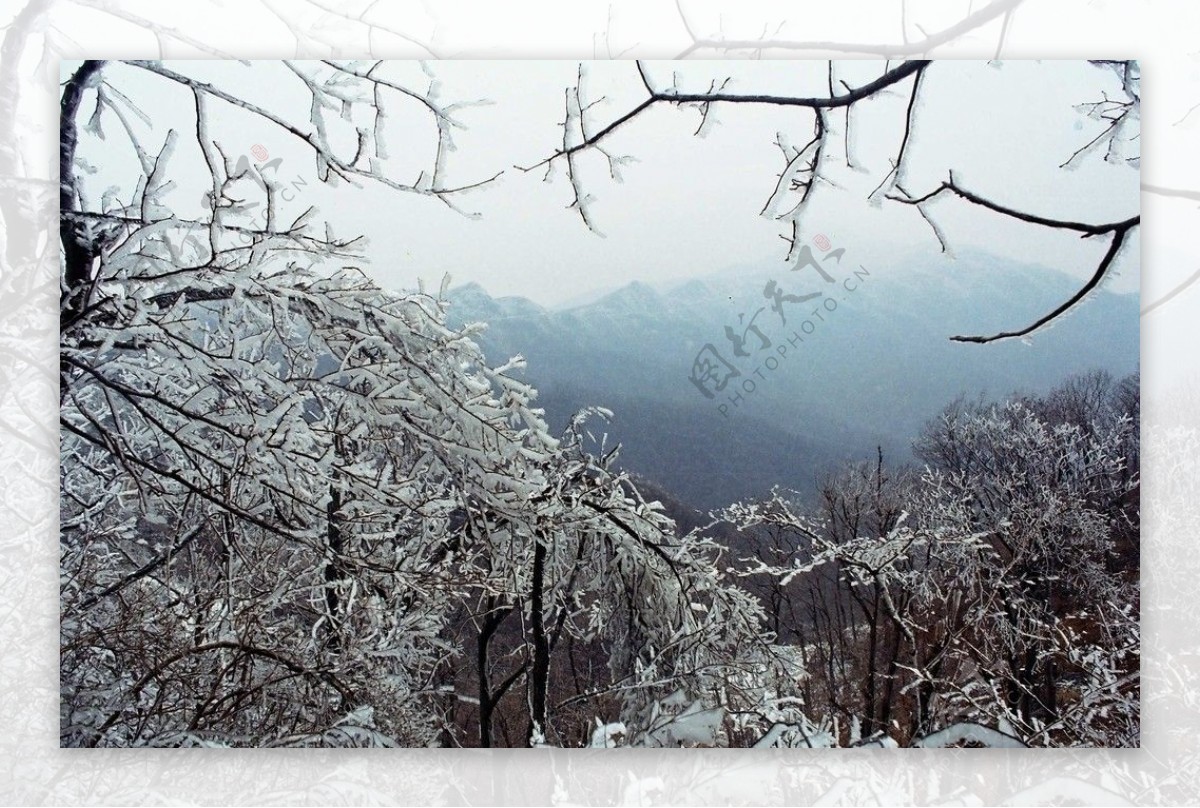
(1119, 231)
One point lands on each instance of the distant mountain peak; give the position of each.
(694, 289)
(471, 301)
(636, 295)
(471, 290)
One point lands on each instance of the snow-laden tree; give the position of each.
(995, 591)
(1050, 641)
(598, 606)
(838, 613)
(283, 485)
(293, 444)
(261, 449)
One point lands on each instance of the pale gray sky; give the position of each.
(689, 205)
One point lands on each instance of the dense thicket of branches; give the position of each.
(997, 586)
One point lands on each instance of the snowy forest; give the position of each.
(301, 508)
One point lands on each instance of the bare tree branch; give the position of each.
(1118, 230)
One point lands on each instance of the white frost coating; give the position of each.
(969, 733)
(695, 726)
(607, 736)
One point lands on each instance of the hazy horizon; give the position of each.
(667, 285)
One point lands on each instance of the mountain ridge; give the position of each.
(866, 368)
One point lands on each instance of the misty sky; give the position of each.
(688, 206)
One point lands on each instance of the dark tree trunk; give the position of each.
(488, 698)
(78, 252)
(539, 671)
(333, 569)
